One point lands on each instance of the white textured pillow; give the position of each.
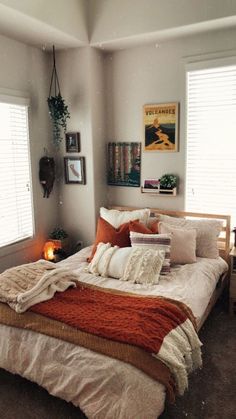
(183, 243)
(207, 233)
(116, 218)
(137, 265)
(156, 242)
(144, 266)
(109, 261)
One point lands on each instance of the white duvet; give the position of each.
(105, 388)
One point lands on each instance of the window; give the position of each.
(211, 140)
(16, 215)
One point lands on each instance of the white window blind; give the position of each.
(211, 141)
(16, 215)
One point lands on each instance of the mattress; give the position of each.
(103, 387)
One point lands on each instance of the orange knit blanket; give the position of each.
(137, 320)
(162, 327)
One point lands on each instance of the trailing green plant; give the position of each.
(168, 181)
(59, 114)
(58, 234)
(58, 110)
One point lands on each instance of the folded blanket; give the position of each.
(160, 326)
(25, 285)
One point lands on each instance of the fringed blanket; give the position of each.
(25, 285)
(162, 327)
(152, 333)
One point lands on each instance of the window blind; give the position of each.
(211, 141)
(16, 215)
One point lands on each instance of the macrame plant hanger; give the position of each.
(58, 110)
(54, 77)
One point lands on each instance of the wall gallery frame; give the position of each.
(75, 170)
(124, 161)
(72, 142)
(161, 127)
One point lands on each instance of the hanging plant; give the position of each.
(58, 110)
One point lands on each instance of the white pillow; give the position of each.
(144, 266)
(208, 231)
(136, 265)
(116, 218)
(109, 261)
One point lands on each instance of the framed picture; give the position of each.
(161, 127)
(74, 170)
(124, 164)
(151, 184)
(72, 142)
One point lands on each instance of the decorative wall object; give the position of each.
(161, 127)
(72, 142)
(47, 174)
(75, 170)
(58, 110)
(151, 184)
(124, 161)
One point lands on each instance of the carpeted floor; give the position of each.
(211, 395)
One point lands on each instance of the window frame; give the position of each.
(194, 64)
(17, 97)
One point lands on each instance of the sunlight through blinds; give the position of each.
(211, 141)
(16, 215)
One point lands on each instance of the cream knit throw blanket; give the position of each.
(29, 284)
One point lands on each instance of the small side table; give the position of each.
(232, 288)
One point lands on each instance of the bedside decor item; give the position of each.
(47, 174)
(58, 110)
(75, 170)
(58, 234)
(124, 164)
(48, 250)
(232, 287)
(59, 238)
(72, 142)
(161, 127)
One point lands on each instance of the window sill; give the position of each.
(17, 247)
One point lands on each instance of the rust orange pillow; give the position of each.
(138, 227)
(106, 233)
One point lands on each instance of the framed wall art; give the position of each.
(124, 161)
(75, 170)
(72, 142)
(161, 127)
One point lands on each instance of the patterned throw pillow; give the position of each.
(134, 264)
(154, 241)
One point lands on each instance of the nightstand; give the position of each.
(232, 288)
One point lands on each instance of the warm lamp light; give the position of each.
(48, 250)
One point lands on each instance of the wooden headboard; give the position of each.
(224, 239)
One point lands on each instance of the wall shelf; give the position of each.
(160, 192)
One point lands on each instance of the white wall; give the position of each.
(154, 74)
(24, 18)
(26, 69)
(110, 21)
(81, 78)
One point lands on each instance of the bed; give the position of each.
(105, 387)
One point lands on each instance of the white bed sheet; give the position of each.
(105, 388)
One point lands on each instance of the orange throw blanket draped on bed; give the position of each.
(139, 321)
